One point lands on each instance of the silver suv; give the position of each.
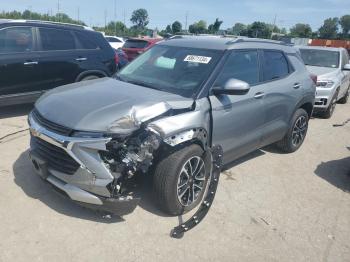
(163, 117)
(332, 68)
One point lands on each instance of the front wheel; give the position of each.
(180, 180)
(295, 136)
(345, 98)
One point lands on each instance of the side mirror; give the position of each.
(346, 67)
(232, 87)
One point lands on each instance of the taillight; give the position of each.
(116, 58)
(314, 78)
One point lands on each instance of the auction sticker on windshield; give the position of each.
(197, 59)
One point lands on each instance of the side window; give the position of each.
(241, 65)
(275, 65)
(56, 39)
(16, 39)
(86, 41)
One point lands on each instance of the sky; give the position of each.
(285, 13)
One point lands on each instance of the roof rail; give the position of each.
(46, 22)
(256, 40)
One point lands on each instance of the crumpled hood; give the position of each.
(323, 72)
(94, 105)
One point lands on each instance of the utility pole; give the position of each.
(78, 14)
(58, 10)
(115, 17)
(186, 21)
(124, 16)
(105, 18)
(274, 25)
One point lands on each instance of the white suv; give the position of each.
(331, 65)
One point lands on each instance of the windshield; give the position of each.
(323, 58)
(178, 70)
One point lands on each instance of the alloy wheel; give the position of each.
(299, 131)
(191, 181)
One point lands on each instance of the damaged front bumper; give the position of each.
(74, 167)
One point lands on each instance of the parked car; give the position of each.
(121, 59)
(36, 56)
(164, 114)
(331, 65)
(133, 47)
(115, 41)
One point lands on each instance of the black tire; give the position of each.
(298, 128)
(330, 110)
(345, 98)
(168, 175)
(90, 77)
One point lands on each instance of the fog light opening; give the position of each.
(36, 166)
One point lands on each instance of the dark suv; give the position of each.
(36, 56)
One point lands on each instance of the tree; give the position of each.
(115, 28)
(239, 29)
(140, 18)
(329, 28)
(214, 28)
(176, 27)
(168, 29)
(301, 30)
(259, 30)
(345, 24)
(199, 27)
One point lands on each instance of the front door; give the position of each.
(238, 119)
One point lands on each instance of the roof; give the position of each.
(321, 48)
(226, 43)
(41, 22)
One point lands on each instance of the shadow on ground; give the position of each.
(33, 186)
(17, 110)
(336, 172)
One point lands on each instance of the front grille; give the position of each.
(62, 130)
(55, 157)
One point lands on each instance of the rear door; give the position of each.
(58, 56)
(282, 90)
(238, 119)
(19, 70)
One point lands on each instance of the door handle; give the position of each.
(296, 86)
(259, 95)
(81, 59)
(30, 63)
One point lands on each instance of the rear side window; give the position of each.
(135, 44)
(16, 39)
(56, 39)
(86, 41)
(275, 65)
(241, 65)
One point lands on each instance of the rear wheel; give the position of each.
(180, 180)
(295, 136)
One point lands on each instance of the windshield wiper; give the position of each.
(140, 83)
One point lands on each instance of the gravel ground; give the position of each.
(269, 207)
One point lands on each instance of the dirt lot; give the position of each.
(269, 207)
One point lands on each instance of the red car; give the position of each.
(133, 47)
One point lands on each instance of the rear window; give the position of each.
(135, 44)
(56, 39)
(16, 39)
(113, 40)
(275, 65)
